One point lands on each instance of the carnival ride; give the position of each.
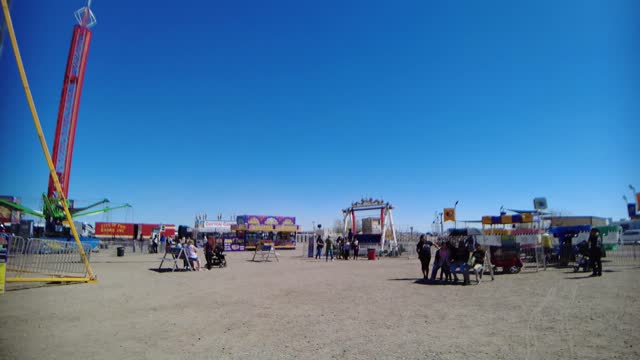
(387, 229)
(53, 210)
(29, 265)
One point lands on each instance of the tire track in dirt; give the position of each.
(564, 316)
(534, 319)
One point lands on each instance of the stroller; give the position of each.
(581, 252)
(219, 258)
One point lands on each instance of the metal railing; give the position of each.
(131, 246)
(45, 256)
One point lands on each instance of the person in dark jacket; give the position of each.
(208, 251)
(459, 259)
(355, 245)
(423, 248)
(319, 247)
(596, 252)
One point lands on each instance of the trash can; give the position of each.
(371, 254)
(120, 250)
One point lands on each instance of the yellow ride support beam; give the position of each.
(43, 143)
(51, 279)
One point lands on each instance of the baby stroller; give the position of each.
(219, 258)
(581, 252)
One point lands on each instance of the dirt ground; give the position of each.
(301, 308)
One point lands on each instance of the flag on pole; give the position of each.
(449, 214)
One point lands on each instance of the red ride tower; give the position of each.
(70, 100)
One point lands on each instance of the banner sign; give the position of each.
(265, 220)
(234, 244)
(449, 214)
(540, 203)
(107, 229)
(631, 209)
(214, 224)
(266, 228)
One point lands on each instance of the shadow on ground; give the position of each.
(165, 270)
(587, 275)
(428, 282)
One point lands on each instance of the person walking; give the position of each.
(423, 248)
(346, 249)
(208, 250)
(329, 248)
(356, 248)
(319, 246)
(595, 252)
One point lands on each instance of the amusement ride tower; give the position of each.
(70, 101)
(53, 210)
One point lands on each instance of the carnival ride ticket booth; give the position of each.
(280, 231)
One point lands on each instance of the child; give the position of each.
(192, 254)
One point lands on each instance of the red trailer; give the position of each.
(109, 230)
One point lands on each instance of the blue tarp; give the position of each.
(560, 231)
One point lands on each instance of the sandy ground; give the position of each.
(300, 308)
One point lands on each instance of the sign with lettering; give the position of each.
(266, 220)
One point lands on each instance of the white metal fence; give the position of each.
(44, 256)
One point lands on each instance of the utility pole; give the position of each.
(455, 218)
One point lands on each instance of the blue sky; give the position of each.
(299, 108)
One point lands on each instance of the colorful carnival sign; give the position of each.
(265, 220)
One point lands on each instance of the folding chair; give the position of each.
(174, 255)
(265, 252)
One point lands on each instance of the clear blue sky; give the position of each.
(299, 108)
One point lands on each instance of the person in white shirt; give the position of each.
(192, 254)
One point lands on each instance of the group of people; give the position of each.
(154, 243)
(190, 250)
(344, 246)
(212, 249)
(451, 259)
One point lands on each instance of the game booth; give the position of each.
(513, 240)
(278, 230)
(221, 231)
